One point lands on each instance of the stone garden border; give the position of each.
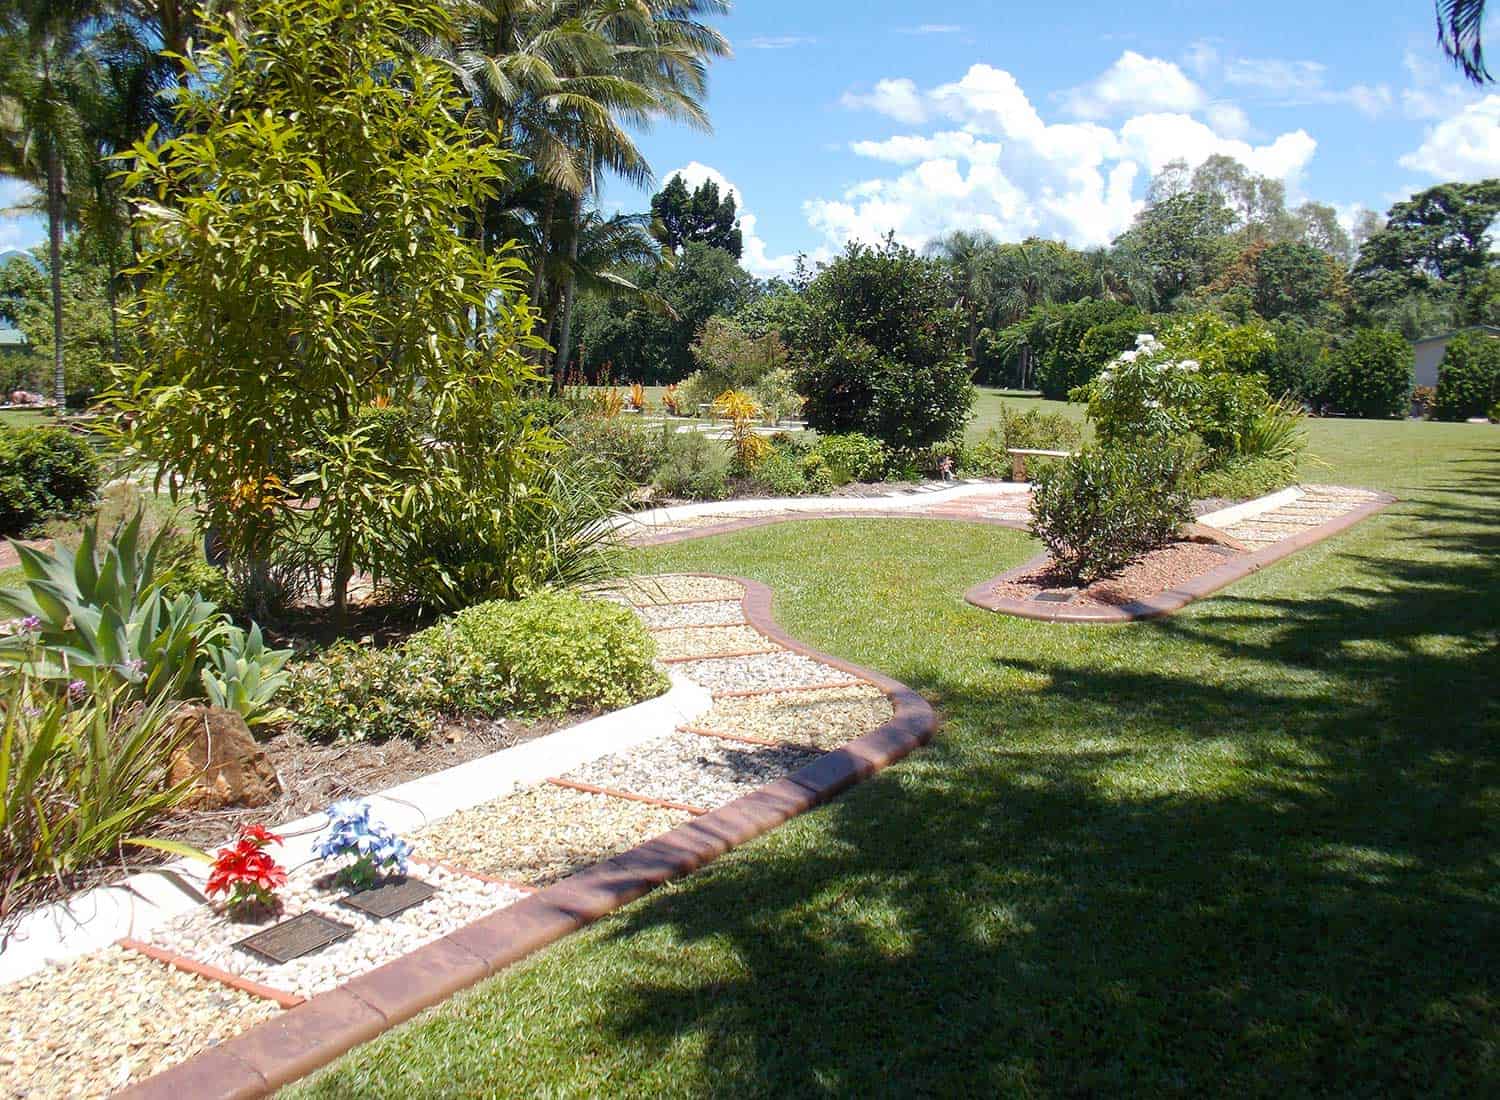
(314, 1033)
(1172, 599)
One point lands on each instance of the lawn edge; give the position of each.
(309, 1036)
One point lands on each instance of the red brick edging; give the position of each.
(214, 973)
(1172, 599)
(314, 1033)
(629, 796)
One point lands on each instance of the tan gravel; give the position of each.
(714, 613)
(111, 1018)
(679, 588)
(709, 641)
(825, 719)
(692, 770)
(544, 833)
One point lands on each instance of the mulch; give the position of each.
(1146, 576)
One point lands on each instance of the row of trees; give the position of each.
(565, 84)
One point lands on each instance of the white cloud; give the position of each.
(756, 258)
(1465, 146)
(898, 99)
(20, 229)
(1303, 83)
(1132, 84)
(1432, 92)
(1202, 57)
(780, 41)
(1002, 168)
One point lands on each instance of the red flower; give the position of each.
(245, 870)
(259, 833)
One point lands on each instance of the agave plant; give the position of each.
(102, 618)
(244, 676)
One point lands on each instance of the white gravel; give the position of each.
(692, 769)
(205, 935)
(100, 1022)
(762, 671)
(825, 719)
(679, 588)
(710, 641)
(714, 613)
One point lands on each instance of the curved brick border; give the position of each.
(311, 1035)
(1173, 599)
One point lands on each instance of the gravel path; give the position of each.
(709, 641)
(826, 719)
(679, 588)
(206, 936)
(542, 834)
(108, 1019)
(762, 671)
(716, 613)
(692, 769)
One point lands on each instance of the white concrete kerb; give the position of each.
(96, 918)
(1226, 518)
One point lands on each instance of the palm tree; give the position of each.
(969, 254)
(1460, 26)
(48, 78)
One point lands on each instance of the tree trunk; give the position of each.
(114, 308)
(541, 257)
(343, 570)
(54, 253)
(560, 365)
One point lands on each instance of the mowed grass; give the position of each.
(1247, 850)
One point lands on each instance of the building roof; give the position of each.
(12, 338)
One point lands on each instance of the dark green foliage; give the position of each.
(44, 472)
(648, 345)
(693, 467)
(681, 217)
(1292, 366)
(1291, 280)
(853, 457)
(884, 353)
(1101, 509)
(1054, 337)
(1180, 242)
(1469, 378)
(1369, 375)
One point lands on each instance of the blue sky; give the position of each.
(841, 119)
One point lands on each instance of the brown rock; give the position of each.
(1199, 532)
(222, 757)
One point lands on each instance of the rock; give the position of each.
(221, 755)
(1201, 532)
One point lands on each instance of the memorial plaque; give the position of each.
(291, 939)
(389, 898)
(1053, 597)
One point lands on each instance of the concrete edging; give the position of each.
(1173, 599)
(309, 1036)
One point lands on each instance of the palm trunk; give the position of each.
(54, 253)
(114, 307)
(560, 366)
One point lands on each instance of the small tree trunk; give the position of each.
(565, 336)
(343, 571)
(54, 253)
(114, 307)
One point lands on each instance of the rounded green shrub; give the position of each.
(1469, 377)
(561, 652)
(1106, 506)
(1370, 375)
(44, 472)
(852, 456)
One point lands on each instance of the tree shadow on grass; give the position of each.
(1312, 910)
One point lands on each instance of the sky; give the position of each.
(846, 119)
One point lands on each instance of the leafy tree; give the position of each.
(681, 217)
(1369, 375)
(1437, 244)
(300, 266)
(1469, 377)
(884, 349)
(1257, 203)
(1317, 226)
(1181, 242)
(1292, 280)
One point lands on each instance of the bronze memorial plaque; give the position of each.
(390, 897)
(293, 938)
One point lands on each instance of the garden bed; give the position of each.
(1155, 572)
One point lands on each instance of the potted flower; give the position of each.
(373, 848)
(247, 873)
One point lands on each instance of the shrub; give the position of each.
(1370, 375)
(44, 472)
(782, 474)
(730, 358)
(624, 447)
(693, 467)
(1101, 509)
(79, 778)
(1054, 336)
(562, 652)
(852, 456)
(818, 474)
(354, 693)
(777, 395)
(1033, 429)
(884, 351)
(1469, 377)
(740, 409)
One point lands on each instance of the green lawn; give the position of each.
(19, 418)
(1248, 850)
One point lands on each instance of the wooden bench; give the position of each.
(1019, 455)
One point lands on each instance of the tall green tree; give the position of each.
(301, 266)
(49, 82)
(680, 216)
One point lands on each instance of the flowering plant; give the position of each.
(372, 844)
(246, 872)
